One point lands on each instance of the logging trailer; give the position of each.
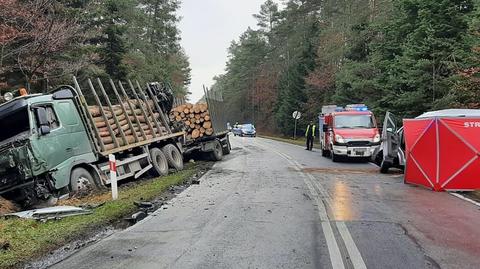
(57, 143)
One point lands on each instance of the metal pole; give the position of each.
(295, 130)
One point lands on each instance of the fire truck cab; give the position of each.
(348, 132)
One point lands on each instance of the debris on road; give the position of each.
(144, 205)
(195, 182)
(340, 171)
(136, 217)
(49, 213)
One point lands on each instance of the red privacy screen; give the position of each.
(443, 153)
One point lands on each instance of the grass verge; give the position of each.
(29, 239)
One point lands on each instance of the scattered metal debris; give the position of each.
(56, 212)
(136, 217)
(145, 205)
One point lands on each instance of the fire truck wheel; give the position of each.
(174, 157)
(159, 162)
(81, 180)
(335, 157)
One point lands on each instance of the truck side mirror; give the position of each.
(44, 125)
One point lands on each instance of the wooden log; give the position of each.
(202, 130)
(186, 111)
(207, 117)
(178, 118)
(209, 131)
(197, 126)
(187, 122)
(192, 125)
(195, 133)
(197, 121)
(207, 124)
(189, 106)
(197, 116)
(202, 120)
(191, 115)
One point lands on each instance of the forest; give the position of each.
(403, 56)
(44, 42)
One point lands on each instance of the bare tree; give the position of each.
(34, 39)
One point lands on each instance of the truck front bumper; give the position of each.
(354, 151)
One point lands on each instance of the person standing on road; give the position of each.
(310, 135)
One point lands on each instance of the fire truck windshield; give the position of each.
(353, 122)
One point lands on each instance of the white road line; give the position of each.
(465, 198)
(352, 249)
(334, 251)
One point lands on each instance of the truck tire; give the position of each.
(217, 153)
(228, 148)
(335, 158)
(384, 166)
(159, 162)
(174, 157)
(81, 180)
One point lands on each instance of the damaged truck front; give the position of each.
(25, 174)
(53, 144)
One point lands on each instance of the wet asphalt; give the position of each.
(274, 205)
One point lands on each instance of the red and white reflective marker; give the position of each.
(113, 176)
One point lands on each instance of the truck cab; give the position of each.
(348, 132)
(42, 139)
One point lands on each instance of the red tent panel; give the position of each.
(443, 153)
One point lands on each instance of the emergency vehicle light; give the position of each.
(356, 107)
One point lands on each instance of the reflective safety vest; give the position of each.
(313, 130)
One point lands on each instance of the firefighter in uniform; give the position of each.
(310, 135)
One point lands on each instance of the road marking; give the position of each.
(332, 246)
(352, 249)
(333, 249)
(465, 198)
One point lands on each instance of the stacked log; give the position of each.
(195, 119)
(136, 118)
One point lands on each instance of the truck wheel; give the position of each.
(159, 162)
(384, 166)
(81, 180)
(217, 153)
(335, 158)
(228, 148)
(174, 157)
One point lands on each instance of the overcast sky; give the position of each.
(208, 27)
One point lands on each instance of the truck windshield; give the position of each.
(354, 121)
(14, 123)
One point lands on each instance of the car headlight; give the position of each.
(339, 139)
(8, 96)
(376, 139)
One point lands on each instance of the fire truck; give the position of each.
(348, 132)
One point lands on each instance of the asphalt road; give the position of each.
(276, 205)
